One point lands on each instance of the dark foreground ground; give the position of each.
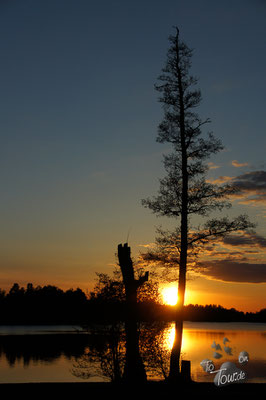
(147, 391)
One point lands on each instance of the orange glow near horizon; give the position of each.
(244, 297)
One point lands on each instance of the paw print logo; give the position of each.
(217, 347)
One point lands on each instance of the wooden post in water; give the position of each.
(186, 371)
(134, 369)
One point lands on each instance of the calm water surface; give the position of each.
(199, 337)
(47, 354)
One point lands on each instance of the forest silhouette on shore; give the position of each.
(52, 305)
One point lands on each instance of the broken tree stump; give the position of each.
(134, 369)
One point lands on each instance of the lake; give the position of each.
(70, 354)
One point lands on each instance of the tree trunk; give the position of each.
(176, 351)
(134, 369)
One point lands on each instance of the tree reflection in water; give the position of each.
(106, 357)
(35, 348)
(95, 352)
(156, 345)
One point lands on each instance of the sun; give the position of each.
(170, 295)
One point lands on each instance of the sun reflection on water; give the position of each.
(169, 337)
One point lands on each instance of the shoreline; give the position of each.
(100, 323)
(150, 388)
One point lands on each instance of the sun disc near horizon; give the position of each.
(170, 295)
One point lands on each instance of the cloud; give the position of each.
(236, 164)
(221, 180)
(252, 187)
(254, 180)
(229, 255)
(211, 165)
(246, 239)
(234, 271)
(147, 246)
(246, 248)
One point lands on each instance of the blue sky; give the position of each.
(79, 116)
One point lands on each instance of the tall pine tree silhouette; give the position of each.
(184, 191)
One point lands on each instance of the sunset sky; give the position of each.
(78, 125)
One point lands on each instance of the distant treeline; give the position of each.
(51, 305)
